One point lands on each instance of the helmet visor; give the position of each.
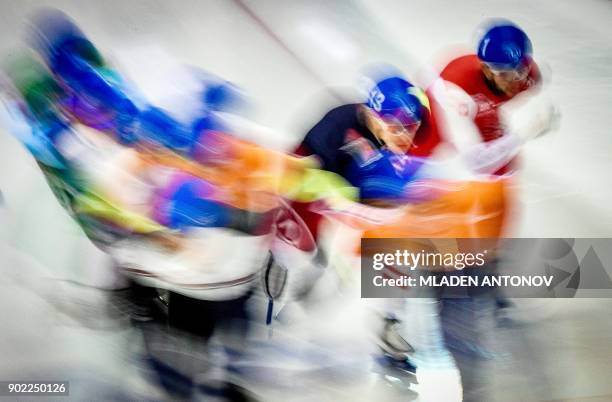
(510, 74)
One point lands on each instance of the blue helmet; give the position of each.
(54, 35)
(397, 98)
(504, 45)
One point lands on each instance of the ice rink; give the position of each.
(295, 59)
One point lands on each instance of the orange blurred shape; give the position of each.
(250, 175)
(471, 209)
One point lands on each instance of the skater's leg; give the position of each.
(437, 372)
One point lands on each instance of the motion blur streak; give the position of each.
(184, 187)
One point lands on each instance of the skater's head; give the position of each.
(56, 37)
(394, 112)
(505, 52)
